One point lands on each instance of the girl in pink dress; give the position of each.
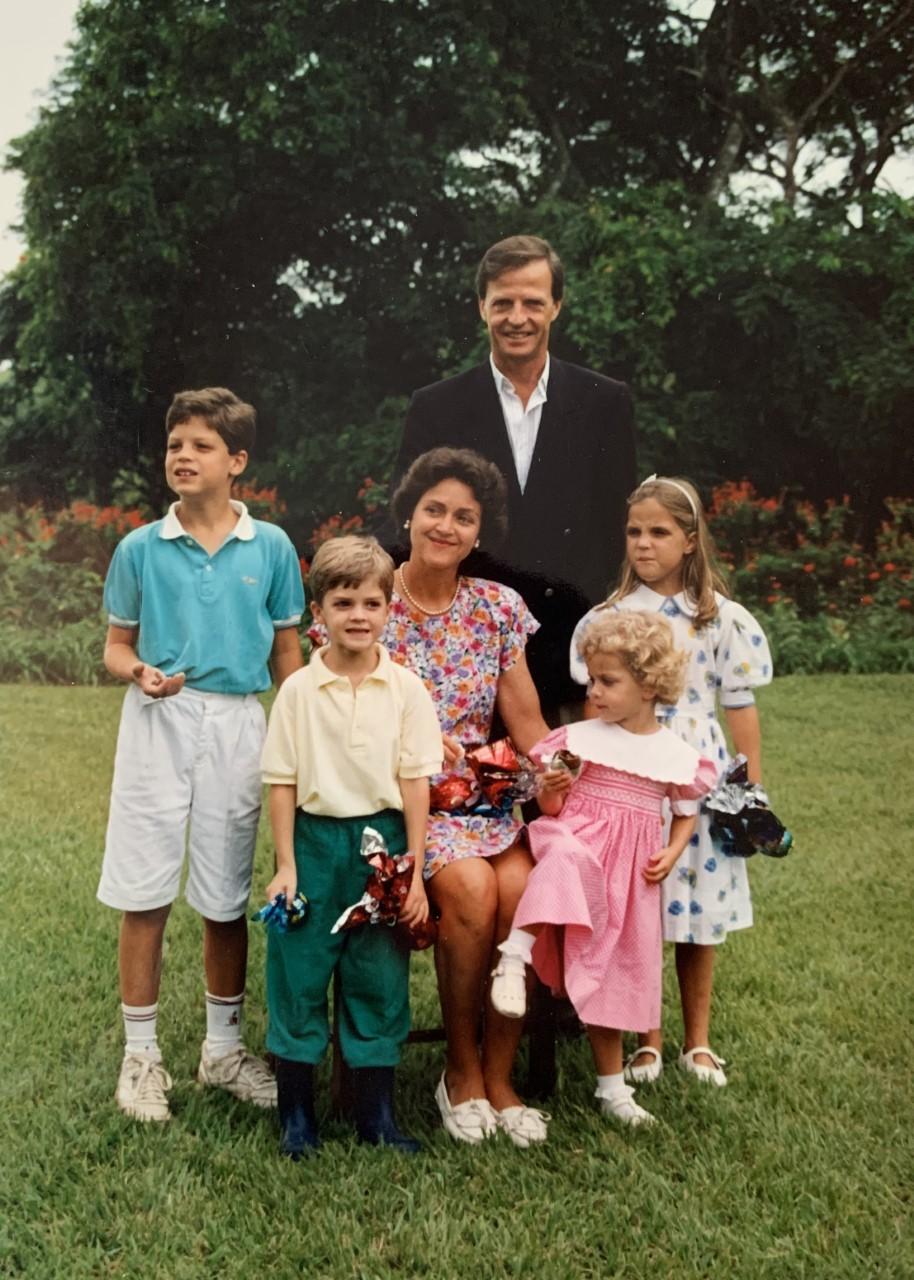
(589, 918)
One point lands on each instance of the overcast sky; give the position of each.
(35, 34)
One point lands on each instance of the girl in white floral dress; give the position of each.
(670, 569)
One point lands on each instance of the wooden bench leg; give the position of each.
(542, 1073)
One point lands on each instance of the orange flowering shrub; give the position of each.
(786, 551)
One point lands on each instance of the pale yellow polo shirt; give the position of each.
(344, 749)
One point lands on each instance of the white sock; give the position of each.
(611, 1086)
(518, 943)
(223, 1024)
(140, 1029)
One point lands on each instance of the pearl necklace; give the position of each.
(429, 613)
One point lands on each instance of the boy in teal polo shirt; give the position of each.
(197, 603)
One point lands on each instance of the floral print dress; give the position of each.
(706, 895)
(460, 656)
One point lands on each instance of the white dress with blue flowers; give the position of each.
(706, 895)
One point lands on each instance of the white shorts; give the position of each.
(188, 763)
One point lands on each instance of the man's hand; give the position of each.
(155, 683)
(285, 881)
(415, 908)
(659, 865)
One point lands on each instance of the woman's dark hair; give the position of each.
(480, 476)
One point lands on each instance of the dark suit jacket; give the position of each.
(566, 530)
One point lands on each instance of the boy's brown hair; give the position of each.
(347, 562)
(220, 409)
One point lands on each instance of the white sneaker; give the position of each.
(240, 1074)
(508, 992)
(622, 1107)
(142, 1088)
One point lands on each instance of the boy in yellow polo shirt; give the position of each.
(352, 742)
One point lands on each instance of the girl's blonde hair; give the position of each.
(701, 574)
(644, 642)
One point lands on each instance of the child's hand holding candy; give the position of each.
(285, 881)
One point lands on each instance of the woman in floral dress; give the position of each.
(466, 638)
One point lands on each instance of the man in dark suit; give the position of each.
(562, 437)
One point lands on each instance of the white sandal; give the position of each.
(508, 992)
(645, 1072)
(470, 1121)
(710, 1075)
(524, 1125)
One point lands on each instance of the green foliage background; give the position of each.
(290, 198)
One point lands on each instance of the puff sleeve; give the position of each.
(557, 740)
(684, 797)
(577, 665)
(742, 656)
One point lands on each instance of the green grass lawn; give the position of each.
(801, 1168)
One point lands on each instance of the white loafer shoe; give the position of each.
(470, 1121)
(644, 1072)
(524, 1125)
(508, 992)
(710, 1075)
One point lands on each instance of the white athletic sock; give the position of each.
(518, 943)
(140, 1029)
(223, 1024)
(611, 1086)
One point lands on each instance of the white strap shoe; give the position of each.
(710, 1075)
(508, 992)
(644, 1072)
(621, 1106)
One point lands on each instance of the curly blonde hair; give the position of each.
(644, 642)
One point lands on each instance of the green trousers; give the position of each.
(372, 961)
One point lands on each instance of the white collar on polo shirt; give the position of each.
(323, 675)
(244, 529)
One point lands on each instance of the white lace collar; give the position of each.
(660, 756)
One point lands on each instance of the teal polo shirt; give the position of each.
(213, 617)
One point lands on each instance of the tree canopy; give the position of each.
(289, 198)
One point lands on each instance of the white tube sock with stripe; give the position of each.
(223, 1024)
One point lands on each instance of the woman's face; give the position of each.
(445, 525)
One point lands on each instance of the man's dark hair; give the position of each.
(518, 251)
(220, 409)
(480, 476)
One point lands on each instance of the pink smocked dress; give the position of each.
(603, 943)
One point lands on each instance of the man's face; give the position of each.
(518, 310)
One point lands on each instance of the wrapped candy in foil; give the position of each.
(563, 759)
(282, 916)
(385, 893)
(456, 792)
(505, 778)
(741, 822)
